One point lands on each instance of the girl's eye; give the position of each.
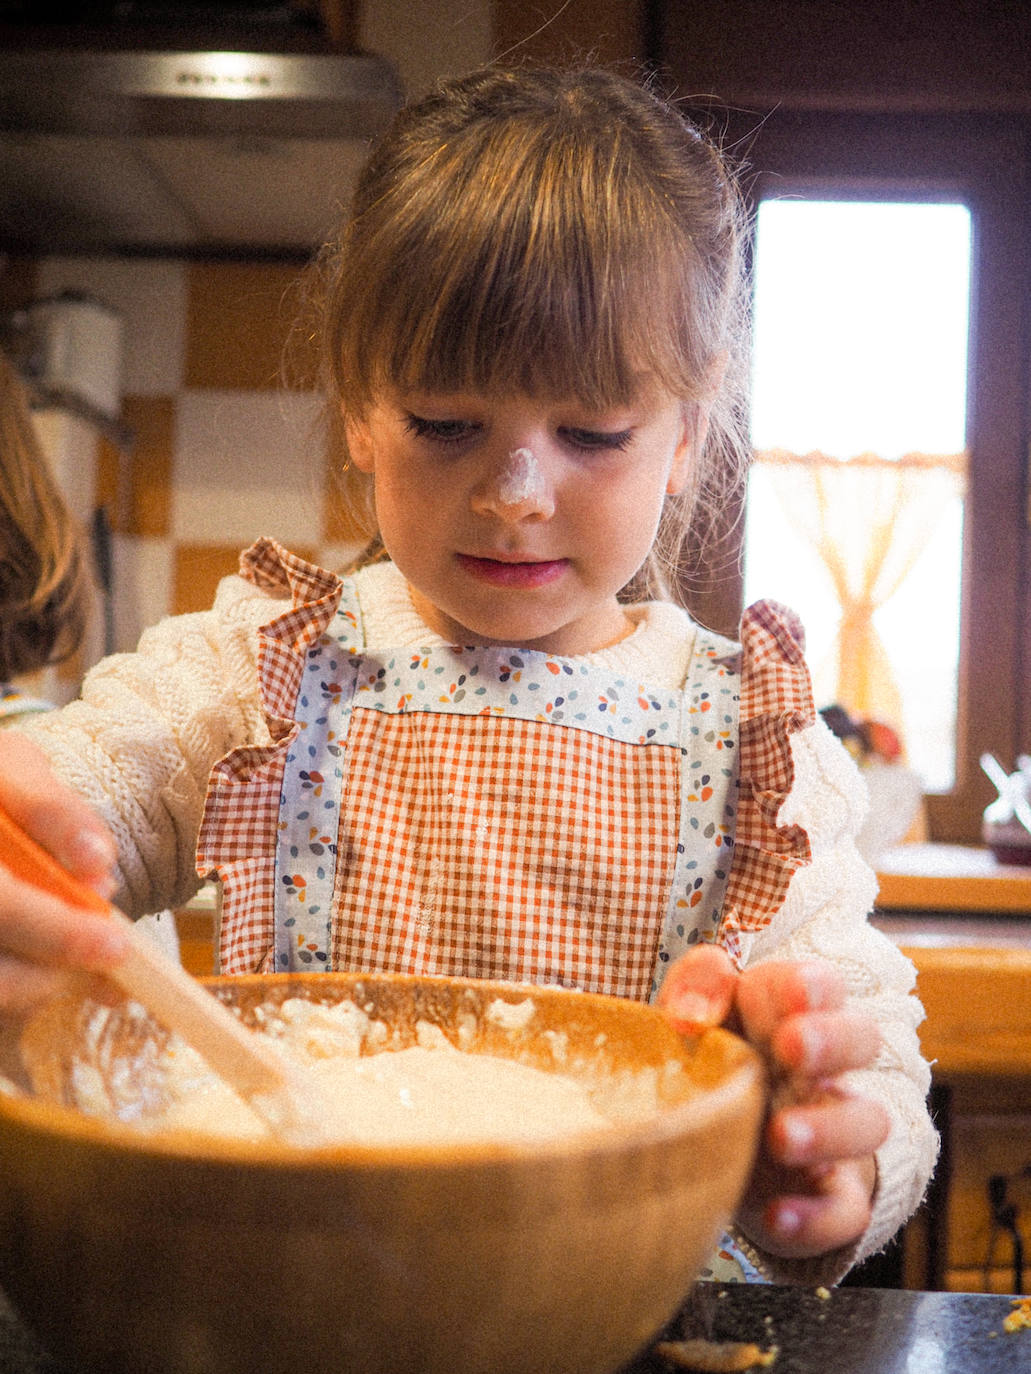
(597, 440)
(440, 431)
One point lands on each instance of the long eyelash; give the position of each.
(590, 439)
(436, 429)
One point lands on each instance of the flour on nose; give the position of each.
(522, 479)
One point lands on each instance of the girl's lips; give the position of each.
(502, 573)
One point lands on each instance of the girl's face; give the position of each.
(518, 520)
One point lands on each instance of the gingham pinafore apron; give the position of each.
(494, 813)
(482, 812)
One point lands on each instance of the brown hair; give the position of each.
(558, 233)
(44, 579)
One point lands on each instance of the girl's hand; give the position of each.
(813, 1182)
(41, 938)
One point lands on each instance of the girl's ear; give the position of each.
(695, 429)
(359, 444)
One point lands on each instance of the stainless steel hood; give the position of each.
(190, 152)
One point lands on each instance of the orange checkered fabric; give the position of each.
(514, 850)
(776, 702)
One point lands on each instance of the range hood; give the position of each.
(183, 152)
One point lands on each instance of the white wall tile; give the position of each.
(144, 570)
(247, 463)
(70, 446)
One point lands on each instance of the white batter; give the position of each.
(428, 1094)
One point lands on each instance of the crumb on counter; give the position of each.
(823, 1293)
(1020, 1317)
(716, 1357)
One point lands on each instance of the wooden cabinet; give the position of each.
(965, 921)
(196, 925)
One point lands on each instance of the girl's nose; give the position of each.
(516, 489)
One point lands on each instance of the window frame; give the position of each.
(984, 162)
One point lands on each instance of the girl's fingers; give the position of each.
(833, 1214)
(839, 1127)
(54, 815)
(823, 1044)
(38, 929)
(698, 990)
(769, 993)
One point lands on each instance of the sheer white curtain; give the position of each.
(867, 520)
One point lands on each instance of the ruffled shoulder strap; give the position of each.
(267, 564)
(239, 832)
(776, 703)
(314, 598)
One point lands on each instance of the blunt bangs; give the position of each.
(537, 273)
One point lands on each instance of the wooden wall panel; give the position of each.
(821, 54)
(610, 32)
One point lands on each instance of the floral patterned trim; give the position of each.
(14, 703)
(776, 703)
(238, 830)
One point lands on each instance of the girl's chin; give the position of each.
(500, 615)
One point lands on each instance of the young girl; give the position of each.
(485, 752)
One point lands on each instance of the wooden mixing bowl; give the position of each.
(188, 1254)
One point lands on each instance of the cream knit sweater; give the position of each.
(142, 740)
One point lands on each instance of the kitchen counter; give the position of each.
(951, 878)
(857, 1330)
(965, 921)
(848, 1331)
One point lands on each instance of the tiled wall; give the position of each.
(222, 452)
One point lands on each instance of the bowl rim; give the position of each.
(654, 1131)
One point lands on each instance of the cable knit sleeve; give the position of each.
(142, 739)
(824, 916)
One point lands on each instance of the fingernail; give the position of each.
(813, 1040)
(822, 985)
(787, 1220)
(797, 1136)
(691, 1009)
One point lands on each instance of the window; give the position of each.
(855, 500)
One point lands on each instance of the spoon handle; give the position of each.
(252, 1066)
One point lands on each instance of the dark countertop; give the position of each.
(849, 1331)
(856, 1330)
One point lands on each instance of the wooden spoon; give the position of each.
(277, 1090)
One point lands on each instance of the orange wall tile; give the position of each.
(240, 318)
(152, 420)
(198, 570)
(110, 485)
(136, 488)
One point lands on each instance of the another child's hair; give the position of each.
(44, 577)
(559, 233)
